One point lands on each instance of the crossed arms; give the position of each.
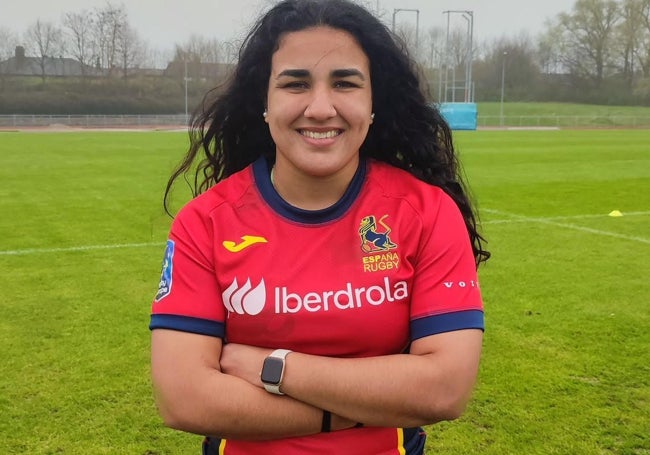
(206, 387)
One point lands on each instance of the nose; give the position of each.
(320, 105)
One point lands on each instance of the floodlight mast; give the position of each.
(503, 84)
(417, 22)
(469, 95)
(469, 17)
(186, 79)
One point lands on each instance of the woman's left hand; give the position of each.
(244, 362)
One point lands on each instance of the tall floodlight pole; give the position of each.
(440, 63)
(447, 58)
(466, 98)
(503, 82)
(469, 17)
(439, 56)
(417, 22)
(185, 78)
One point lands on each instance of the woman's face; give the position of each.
(319, 102)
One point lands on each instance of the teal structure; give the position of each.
(460, 116)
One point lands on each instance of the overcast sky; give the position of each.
(164, 22)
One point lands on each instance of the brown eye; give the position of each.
(296, 85)
(345, 84)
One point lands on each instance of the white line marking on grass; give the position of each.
(513, 218)
(522, 219)
(77, 248)
(551, 222)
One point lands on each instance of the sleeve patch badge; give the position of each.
(165, 285)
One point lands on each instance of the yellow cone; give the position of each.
(615, 213)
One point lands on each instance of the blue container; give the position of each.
(460, 116)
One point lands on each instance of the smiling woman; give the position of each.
(319, 107)
(329, 222)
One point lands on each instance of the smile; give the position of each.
(320, 135)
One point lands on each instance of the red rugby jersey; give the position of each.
(389, 263)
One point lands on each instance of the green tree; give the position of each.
(586, 38)
(643, 48)
(628, 36)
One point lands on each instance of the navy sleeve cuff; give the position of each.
(187, 324)
(448, 322)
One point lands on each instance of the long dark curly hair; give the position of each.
(228, 132)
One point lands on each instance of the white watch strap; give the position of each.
(278, 354)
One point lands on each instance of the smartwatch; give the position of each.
(273, 371)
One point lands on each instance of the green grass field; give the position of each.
(566, 362)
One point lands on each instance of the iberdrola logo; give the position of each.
(245, 299)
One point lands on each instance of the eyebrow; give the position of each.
(348, 72)
(294, 73)
(300, 73)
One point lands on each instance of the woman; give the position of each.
(320, 295)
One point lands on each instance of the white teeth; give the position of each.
(315, 135)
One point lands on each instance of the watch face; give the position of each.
(272, 370)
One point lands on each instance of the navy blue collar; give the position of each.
(262, 174)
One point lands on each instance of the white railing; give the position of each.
(565, 121)
(93, 121)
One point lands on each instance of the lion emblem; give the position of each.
(372, 239)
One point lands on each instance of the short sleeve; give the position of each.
(188, 297)
(446, 294)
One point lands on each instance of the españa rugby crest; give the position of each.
(376, 243)
(375, 238)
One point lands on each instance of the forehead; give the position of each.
(319, 47)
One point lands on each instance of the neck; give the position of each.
(310, 192)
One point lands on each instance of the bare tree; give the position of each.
(130, 49)
(8, 43)
(78, 32)
(455, 55)
(155, 58)
(457, 47)
(433, 49)
(407, 34)
(199, 49)
(109, 23)
(434, 43)
(230, 51)
(45, 39)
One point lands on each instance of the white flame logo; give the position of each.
(244, 300)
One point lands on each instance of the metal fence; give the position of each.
(93, 121)
(153, 121)
(564, 121)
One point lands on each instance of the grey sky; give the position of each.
(164, 22)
